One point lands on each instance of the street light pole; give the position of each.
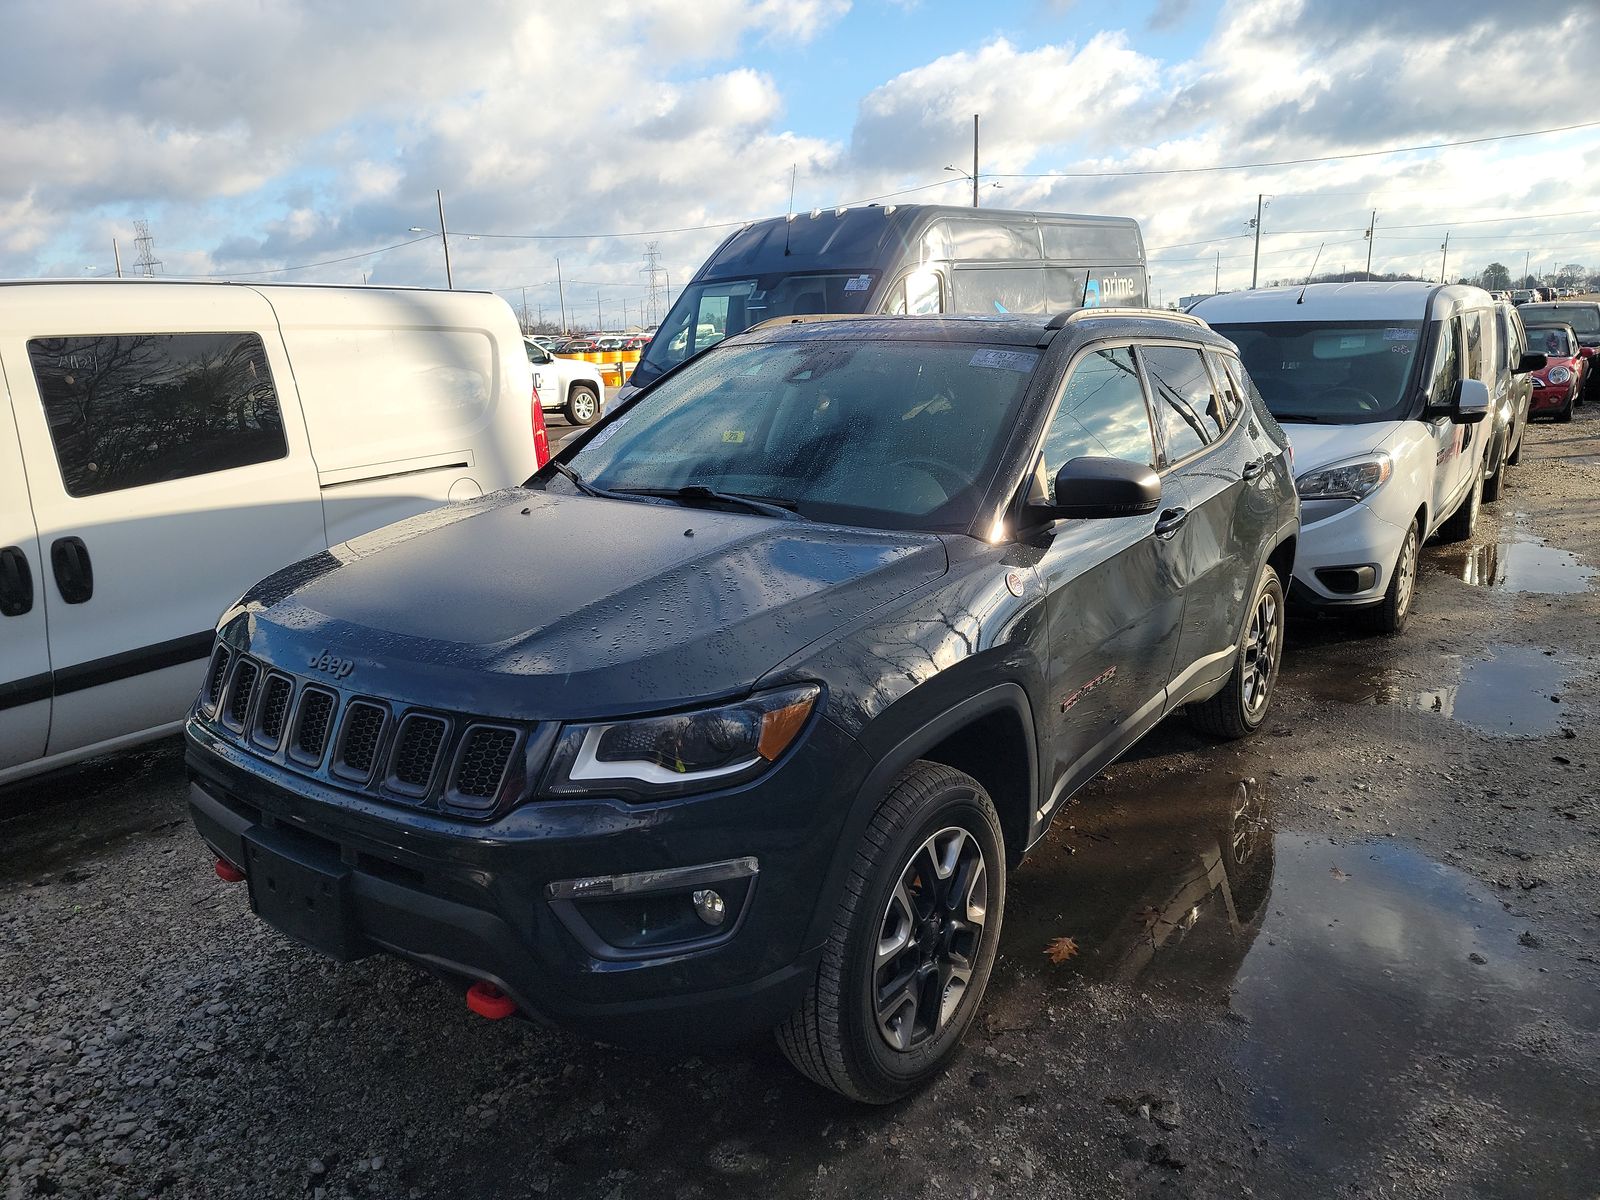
(561, 294)
(1371, 237)
(116, 257)
(974, 160)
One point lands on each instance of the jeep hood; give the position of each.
(538, 607)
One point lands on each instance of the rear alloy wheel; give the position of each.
(1389, 615)
(912, 943)
(1240, 707)
(582, 406)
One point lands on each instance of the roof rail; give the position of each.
(1063, 319)
(803, 319)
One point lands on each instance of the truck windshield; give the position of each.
(888, 434)
(708, 312)
(1344, 373)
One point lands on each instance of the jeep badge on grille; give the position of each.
(339, 668)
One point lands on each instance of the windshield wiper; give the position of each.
(698, 492)
(584, 486)
(1299, 417)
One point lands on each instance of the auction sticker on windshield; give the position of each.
(1005, 360)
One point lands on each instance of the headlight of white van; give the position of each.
(1354, 480)
(675, 753)
(1559, 375)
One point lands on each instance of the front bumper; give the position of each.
(1344, 560)
(1554, 398)
(473, 900)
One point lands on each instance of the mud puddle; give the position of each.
(1513, 691)
(1355, 991)
(1527, 566)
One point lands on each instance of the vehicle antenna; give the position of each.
(1301, 298)
(794, 170)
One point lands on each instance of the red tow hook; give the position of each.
(489, 1001)
(228, 873)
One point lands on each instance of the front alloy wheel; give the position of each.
(1240, 707)
(929, 938)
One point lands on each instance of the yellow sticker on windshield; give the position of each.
(733, 435)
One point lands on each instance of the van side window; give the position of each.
(1446, 367)
(1188, 409)
(128, 410)
(1102, 413)
(916, 294)
(1477, 365)
(998, 289)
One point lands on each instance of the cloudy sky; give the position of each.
(259, 135)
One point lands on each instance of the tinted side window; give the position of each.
(1507, 344)
(998, 289)
(1188, 410)
(1477, 359)
(127, 410)
(1102, 412)
(1232, 396)
(1446, 366)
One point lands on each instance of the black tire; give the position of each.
(1389, 616)
(1516, 452)
(1564, 413)
(582, 406)
(1464, 520)
(1242, 704)
(1493, 485)
(838, 1037)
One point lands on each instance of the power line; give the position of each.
(1296, 162)
(327, 262)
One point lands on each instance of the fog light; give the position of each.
(708, 906)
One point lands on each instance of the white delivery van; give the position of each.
(1382, 388)
(165, 445)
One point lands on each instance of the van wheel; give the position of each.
(912, 942)
(1389, 615)
(582, 406)
(1516, 453)
(1240, 707)
(1493, 484)
(1465, 519)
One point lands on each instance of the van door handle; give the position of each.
(16, 583)
(1254, 468)
(1171, 521)
(69, 558)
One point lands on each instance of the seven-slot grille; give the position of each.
(423, 755)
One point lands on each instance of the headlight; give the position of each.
(1559, 375)
(1346, 481)
(663, 756)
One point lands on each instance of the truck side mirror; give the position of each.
(1470, 404)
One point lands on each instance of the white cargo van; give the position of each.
(165, 445)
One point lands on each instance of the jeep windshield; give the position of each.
(1348, 373)
(887, 433)
(708, 312)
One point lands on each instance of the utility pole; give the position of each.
(1255, 267)
(1443, 262)
(444, 237)
(116, 257)
(599, 317)
(1527, 256)
(1371, 226)
(561, 294)
(974, 160)
(148, 262)
(524, 309)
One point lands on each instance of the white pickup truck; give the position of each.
(571, 387)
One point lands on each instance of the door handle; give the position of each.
(16, 582)
(69, 558)
(1254, 468)
(1171, 521)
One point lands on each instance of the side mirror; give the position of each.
(1532, 362)
(1470, 403)
(1093, 489)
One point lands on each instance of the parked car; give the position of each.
(1510, 396)
(1523, 296)
(1558, 388)
(1583, 316)
(636, 342)
(576, 345)
(158, 455)
(573, 387)
(903, 259)
(1383, 386)
(609, 343)
(547, 341)
(827, 626)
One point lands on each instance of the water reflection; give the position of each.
(1518, 566)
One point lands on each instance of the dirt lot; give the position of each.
(1354, 956)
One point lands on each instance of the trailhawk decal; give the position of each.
(1104, 677)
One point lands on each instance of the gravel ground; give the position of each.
(1352, 956)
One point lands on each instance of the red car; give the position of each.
(1559, 386)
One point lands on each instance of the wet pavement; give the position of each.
(1354, 955)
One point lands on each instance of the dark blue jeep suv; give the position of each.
(736, 715)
